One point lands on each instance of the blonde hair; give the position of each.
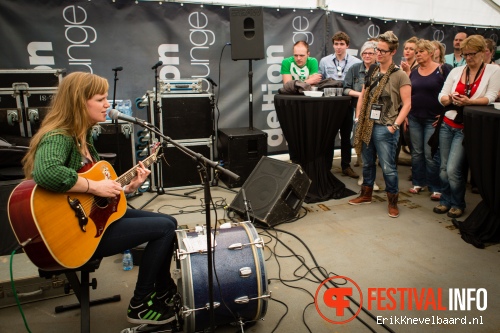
(474, 42)
(424, 44)
(68, 113)
(439, 46)
(391, 39)
(413, 40)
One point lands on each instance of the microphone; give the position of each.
(158, 64)
(115, 115)
(117, 69)
(211, 81)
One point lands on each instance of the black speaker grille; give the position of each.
(275, 190)
(262, 190)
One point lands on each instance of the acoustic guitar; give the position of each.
(63, 230)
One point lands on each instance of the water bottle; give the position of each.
(127, 260)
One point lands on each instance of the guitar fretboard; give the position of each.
(130, 174)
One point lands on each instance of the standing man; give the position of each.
(300, 66)
(335, 66)
(455, 59)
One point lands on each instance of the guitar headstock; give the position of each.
(155, 148)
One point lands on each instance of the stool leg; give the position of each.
(85, 302)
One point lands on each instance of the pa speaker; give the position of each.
(247, 33)
(274, 191)
(240, 149)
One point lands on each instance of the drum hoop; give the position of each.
(250, 229)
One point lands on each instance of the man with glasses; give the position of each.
(377, 133)
(300, 66)
(335, 66)
(455, 59)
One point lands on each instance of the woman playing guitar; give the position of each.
(63, 163)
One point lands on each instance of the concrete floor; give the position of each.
(419, 250)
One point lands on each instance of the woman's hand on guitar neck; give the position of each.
(141, 176)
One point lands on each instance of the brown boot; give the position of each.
(393, 204)
(364, 197)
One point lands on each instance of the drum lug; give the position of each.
(258, 242)
(187, 311)
(245, 272)
(181, 254)
(245, 299)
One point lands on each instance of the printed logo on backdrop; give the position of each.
(438, 35)
(77, 34)
(494, 37)
(301, 25)
(373, 31)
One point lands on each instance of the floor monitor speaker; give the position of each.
(247, 33)
(275, 191)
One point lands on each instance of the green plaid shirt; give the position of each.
(57, 160)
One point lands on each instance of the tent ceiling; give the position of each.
(480, 13)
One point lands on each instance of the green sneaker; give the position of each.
(150, 311)
(167, 297)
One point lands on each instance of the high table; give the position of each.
(482, 146)
(310, 125)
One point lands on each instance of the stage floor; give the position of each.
(420, 249)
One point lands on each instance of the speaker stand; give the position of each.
(250, 96)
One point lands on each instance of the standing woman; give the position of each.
(409, 53)
(379, 119)
(426, 84)
(473, 84)
(489, 52)
(438, 56)
(353, 84)
(61, 148)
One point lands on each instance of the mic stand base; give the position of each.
(161, 191)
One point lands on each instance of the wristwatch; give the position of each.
(395, 126)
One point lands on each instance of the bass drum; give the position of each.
(239, 278)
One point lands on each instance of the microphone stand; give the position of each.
(115, 121)
(204, 165)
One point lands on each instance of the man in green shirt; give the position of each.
(300, 66)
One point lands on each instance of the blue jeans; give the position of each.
(424, 168)
(383, 143)
(453, 173)
(137, 227)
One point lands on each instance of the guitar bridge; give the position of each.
(77, 207)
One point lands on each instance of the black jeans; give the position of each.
(137, 227)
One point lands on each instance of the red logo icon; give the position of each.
(331, 303)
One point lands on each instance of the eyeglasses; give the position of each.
(382, 51)
(368, 53)
(466, 55)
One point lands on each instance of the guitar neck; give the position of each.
(130, 174)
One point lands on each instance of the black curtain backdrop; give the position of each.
(191, 40)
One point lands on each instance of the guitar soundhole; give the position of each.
(101, 202)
